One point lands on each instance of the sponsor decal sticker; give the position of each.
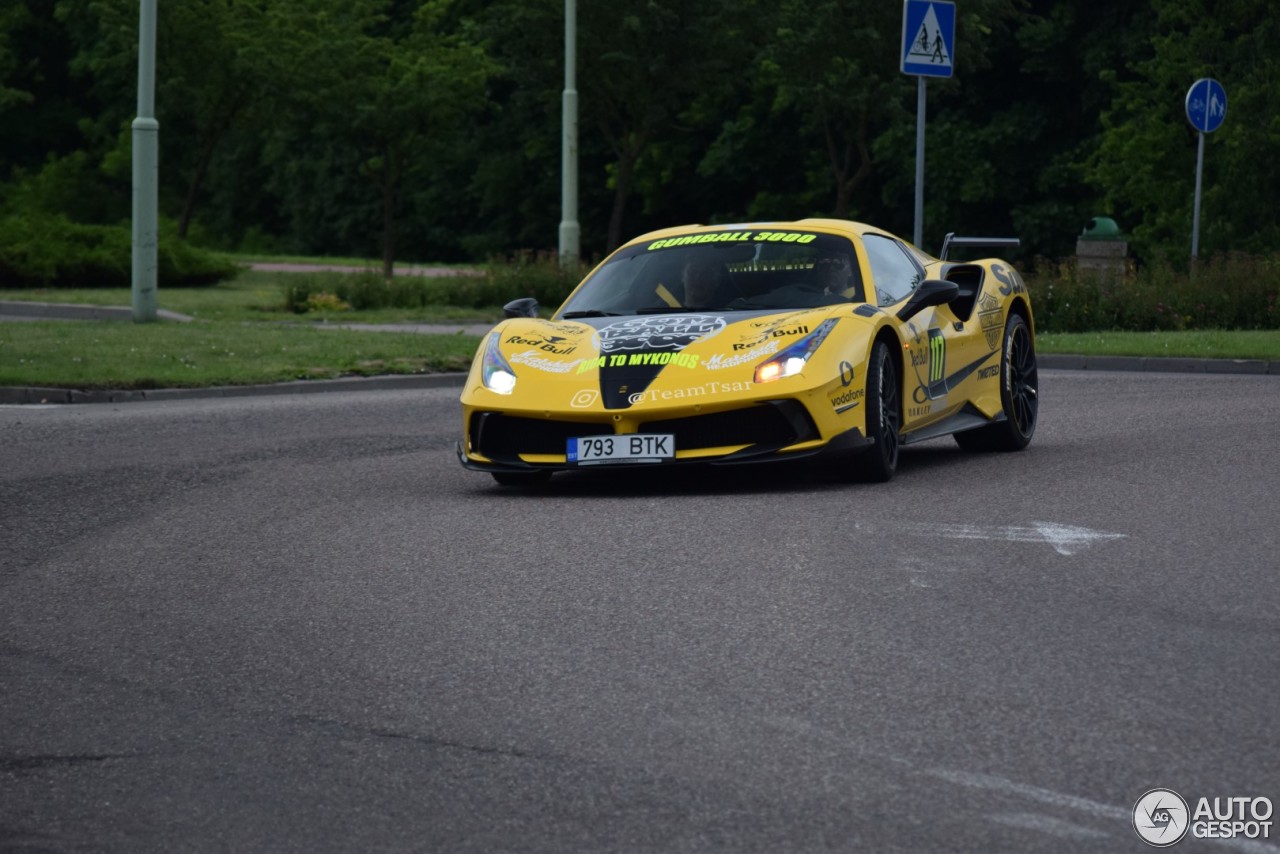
(1010, 281)
(653, 395)
(720, 362)
(555, 344)
(657, 333)
(991, 316)
(937, 356)
(570, 329)
(848, 399)
(749, 341)
(626, 360)
(734, 237)
(534, 359)
(584, 398)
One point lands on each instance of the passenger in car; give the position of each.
(834, 275)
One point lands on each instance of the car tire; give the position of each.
(1019, 394)
(878, 462)
(522, 479)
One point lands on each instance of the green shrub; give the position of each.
(51, 251)
(536, 274)
(501, 281)
(1233, 291)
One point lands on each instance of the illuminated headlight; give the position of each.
(792, 360)
(496, 371)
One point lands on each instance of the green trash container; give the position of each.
(1102, 228)
(1102, 246)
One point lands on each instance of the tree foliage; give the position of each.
(1146, 160)
(431, 130)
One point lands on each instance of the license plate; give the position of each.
(626, 447)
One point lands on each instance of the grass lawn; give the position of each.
(242, 334)
(123, 355)
(1204, 344)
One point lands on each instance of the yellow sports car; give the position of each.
(757, 342)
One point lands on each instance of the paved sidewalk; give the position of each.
(399, 269)
(12, 310)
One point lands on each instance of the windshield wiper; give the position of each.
(591, 312)
(689, 310)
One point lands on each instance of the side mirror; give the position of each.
(930, 292)
(523, 307)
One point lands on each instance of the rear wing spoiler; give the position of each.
(992, 242)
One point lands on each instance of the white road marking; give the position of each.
(1057, 799)
(1048, 824)
(1065, 539)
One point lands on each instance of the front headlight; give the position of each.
(495, 370)
(792, 360)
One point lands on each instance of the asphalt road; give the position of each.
(297, 624)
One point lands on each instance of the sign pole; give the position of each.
(1206, 106)
(1195, 217)
(917, 234)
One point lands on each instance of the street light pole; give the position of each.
(569, 229)
(146, 156)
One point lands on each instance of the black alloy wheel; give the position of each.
(878, 462)
(1019, 395)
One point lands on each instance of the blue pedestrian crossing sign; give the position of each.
(928, 37)
(1206, 105)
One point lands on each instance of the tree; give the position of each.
(386, 89)
(1008, 138)
(12, 20)
(1145, 164)
(39, 101)
(835, 67)
(210, 75)
(641, 62)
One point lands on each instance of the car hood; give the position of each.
(617, 362)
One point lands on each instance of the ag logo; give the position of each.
(1160, 817)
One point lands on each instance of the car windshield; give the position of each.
(724, 271)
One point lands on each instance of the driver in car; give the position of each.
(701, 283)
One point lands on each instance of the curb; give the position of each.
(416, 382)
(1158, 364)
(20, 395)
